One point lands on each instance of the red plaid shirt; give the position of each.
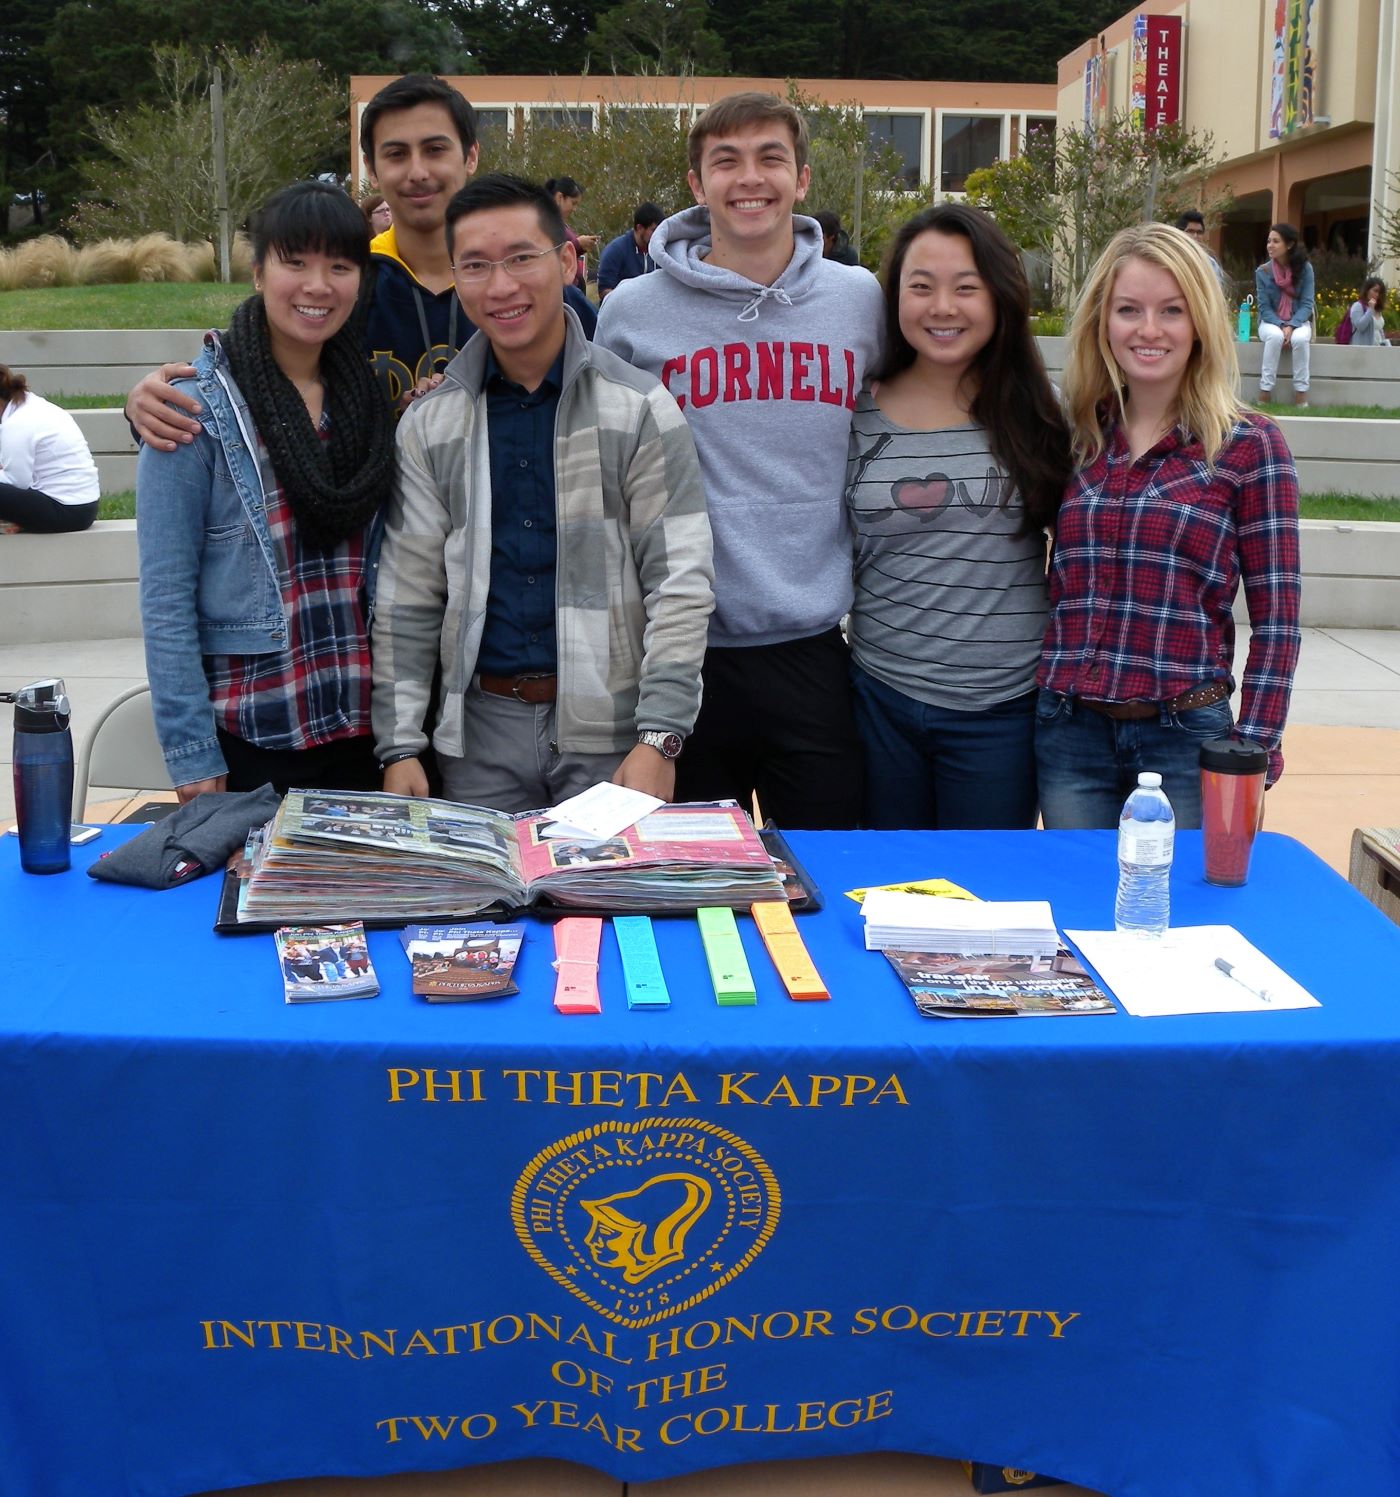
(1148, 557)
(316, 690)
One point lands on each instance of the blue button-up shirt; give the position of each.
(519, 632)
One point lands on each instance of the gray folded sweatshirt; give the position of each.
(767, 377)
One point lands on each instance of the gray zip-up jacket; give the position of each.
(635, 574)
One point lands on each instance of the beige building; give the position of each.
(943, 131)
(1300, 95)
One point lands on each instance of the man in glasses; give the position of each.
(547, 541)
(1192, 223)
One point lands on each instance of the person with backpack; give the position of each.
(1364, 323)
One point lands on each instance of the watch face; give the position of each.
(668, 745)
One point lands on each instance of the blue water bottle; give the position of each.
(43, 768)
(1242, 320)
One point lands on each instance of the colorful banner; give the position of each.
(1137, 85)
(1096, 108)
(1291, 92)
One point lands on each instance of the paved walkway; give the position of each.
(1342, 746)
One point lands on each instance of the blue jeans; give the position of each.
(937, 769)
(1088, 763)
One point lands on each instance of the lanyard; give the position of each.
(418, 294)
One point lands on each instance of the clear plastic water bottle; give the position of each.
(1146, 832)
(43, 770)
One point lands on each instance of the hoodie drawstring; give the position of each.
(750, 311)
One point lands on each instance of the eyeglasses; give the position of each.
(1195, 231)
(521, 266)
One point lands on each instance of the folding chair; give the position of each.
(122, 750)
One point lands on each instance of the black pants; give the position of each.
(31, 510)
(346, 764)
(777, 719)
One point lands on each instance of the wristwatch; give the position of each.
(668, 745)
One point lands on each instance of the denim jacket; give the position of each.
(1266, 296)
(209, 578)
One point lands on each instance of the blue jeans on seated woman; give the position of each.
(934, 768)
(1087, 763)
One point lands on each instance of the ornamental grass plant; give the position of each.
(50, 260)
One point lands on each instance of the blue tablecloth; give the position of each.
(243, 1241)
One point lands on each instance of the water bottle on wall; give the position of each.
(1146, 832)
(1242, 319)
(43, 769)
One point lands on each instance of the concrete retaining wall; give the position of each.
(70, 586)
(1339, 375)
(1351, 457)
(55, 587)
(79, 361)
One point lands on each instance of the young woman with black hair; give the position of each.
(1283, 292)
(256, 539)
(568, 194)
(48, 480)
(1367, 315)
(959, 456)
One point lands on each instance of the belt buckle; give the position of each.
(521, 681)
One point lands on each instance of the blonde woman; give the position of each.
(1179, 495)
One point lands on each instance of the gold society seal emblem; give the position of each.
(642, 1220)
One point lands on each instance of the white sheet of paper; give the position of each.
(941, 912)
(1177, 974)
(601, 811)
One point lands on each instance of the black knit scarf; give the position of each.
(333, 487)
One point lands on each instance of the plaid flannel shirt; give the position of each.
(1147, 560)
(316, 690)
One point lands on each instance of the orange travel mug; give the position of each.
(1232, 806)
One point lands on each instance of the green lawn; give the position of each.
(1311, 507)
(198, 304)
(83, 402)
(1335, 506)
(1358, 412)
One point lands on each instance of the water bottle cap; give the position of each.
(42, 707)
(1149, 779)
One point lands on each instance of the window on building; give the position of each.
(495, 120)
(970, 142)
(564, 119)
(905, 132)
(1040, 127)
(621, 118)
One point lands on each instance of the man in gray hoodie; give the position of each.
(764, 344)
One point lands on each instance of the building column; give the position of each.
(1385, 158)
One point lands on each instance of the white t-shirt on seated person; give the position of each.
(42, 448)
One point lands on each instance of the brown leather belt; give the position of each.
(1198, 696)
(532, 687)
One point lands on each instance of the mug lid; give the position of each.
(1234, 756)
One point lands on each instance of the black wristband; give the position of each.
(389, 759)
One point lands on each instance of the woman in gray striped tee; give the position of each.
(959, 456)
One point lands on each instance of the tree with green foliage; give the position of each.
(1013, 41)
(100, 54)
(663, 37)
(26, 88)
(1069, 194)
(157, 167)
(524, 36)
